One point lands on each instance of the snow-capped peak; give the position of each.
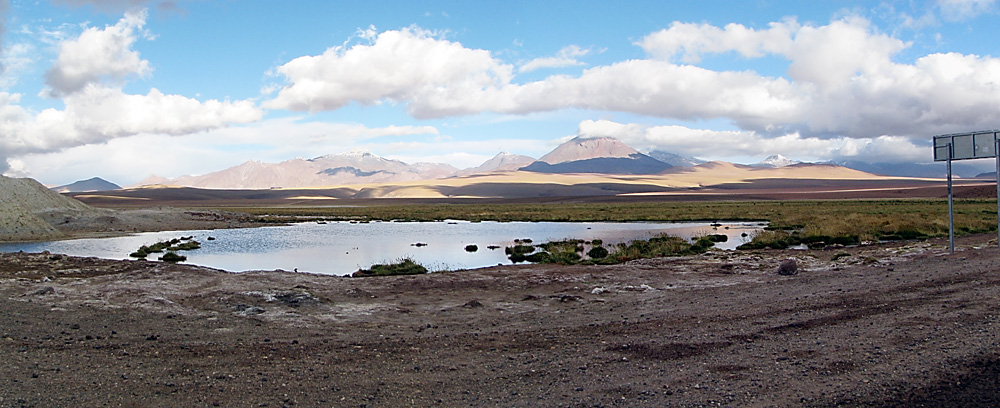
(776, 160)
(356, 153)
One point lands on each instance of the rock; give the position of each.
(567, 298)
(249, 310)
(473, 304)
(360, 293)
(788, 267)
(48, 290)
(296, 299)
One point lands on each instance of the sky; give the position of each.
(124, 89)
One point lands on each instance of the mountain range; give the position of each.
(601, 155)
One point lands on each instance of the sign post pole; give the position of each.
(951, 205)
(996, 145)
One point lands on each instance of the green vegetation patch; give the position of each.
(172, 257)
(404, 266)
(170, 246)
(570, 251)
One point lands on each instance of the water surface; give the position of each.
(340, 248)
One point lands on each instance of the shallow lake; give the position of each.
(340, 248)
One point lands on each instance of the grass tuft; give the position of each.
(405, 266)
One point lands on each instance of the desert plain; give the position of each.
(902, 323)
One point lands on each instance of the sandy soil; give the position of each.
(887, 325)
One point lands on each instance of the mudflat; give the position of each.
(903, 324)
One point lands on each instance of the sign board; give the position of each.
(965, 146)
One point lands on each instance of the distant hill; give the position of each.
(712, 179)
(672, 159)
(935, 170)
(501, 162)
(601, 155)
(92, 184)
(635, 164)
(354, 167)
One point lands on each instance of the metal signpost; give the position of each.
(964, 146)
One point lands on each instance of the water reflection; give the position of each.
(340, 248)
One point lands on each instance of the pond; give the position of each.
(340, 248)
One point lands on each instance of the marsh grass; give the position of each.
(171, 246)
(857, 220)
(173, 257)
(404, 266)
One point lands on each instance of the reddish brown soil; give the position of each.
(890, 325)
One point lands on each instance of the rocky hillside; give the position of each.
(28, 209)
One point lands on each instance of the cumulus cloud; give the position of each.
(566, 57)
(690, 41)
(959, 10)
(87, 75)
(400, 66)
(841, 80)
(827, 55)
(99, 54)
(712, 143)
(97, 114)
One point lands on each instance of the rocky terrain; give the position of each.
(905, 324)
(27, 205)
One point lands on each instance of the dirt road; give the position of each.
(889, 325)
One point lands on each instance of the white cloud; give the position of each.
(692, 40)
(99, 55)
(16, 59)
(566, 57)
(400, 66)
(842, 81)
(96, 112)
(959, 10)
(827, 55)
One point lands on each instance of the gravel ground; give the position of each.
(901, 324)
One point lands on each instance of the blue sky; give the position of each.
(123, 89)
